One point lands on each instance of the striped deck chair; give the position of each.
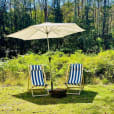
(38, 78)
(75, 79)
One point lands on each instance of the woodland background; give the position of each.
(95, 16)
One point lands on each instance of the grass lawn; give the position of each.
(95, 99)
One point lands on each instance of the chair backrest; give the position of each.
(37, 75)
(75, 74)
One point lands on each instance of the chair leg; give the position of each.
(33, 95)
(77, 93)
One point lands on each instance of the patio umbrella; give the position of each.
(45, 31)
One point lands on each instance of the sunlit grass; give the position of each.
(95, 99)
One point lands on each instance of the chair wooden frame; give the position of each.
(33, 86)
(80, 86)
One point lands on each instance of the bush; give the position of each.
(96, 80)
(105, 81)
(99, 66)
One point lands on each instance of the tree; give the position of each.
(43, 5)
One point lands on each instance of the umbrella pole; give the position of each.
(48, 43)
(50, 64)
(51, 74)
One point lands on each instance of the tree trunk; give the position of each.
(78, 9)
(75, 13)
(45, 11)
(104, 20)
(35, 11)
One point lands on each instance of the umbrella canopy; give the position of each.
(53, 30)
(46, 30)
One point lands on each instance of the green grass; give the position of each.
(95, 99)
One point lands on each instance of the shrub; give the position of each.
(99, 66)
(96, 80)
(105, 81)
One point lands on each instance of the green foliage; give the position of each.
(105, 81)
(96, 80)
(95, 66)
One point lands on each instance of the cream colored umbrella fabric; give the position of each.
(46, 30)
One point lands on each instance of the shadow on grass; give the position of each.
(85, 97)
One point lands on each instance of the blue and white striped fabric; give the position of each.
(37, 75)
(75, 74)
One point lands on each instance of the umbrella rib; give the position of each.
(40, 30)
(52, 29)
(32, 34)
